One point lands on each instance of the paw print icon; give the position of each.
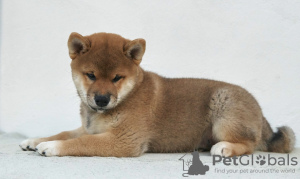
(261, 160)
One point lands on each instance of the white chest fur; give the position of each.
(96, 123)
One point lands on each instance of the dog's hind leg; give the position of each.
(228, 149)
(236, 122)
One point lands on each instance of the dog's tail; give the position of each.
(282, 141)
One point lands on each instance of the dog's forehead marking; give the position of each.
(103, 67)
(104, 40)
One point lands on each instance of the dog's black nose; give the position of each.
(102, 100)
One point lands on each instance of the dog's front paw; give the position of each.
(48, 149)
(221, 148)
(29, 144)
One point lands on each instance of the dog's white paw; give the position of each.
(48, 149)
(222, 149)
(29, 144)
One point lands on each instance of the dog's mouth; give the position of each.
(98, 109)
(95, 108)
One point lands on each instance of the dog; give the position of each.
(126, 111)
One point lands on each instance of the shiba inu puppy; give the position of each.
(126, 111)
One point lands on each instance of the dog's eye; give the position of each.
(117, 78)
(91, 76)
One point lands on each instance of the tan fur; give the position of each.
(149, 113)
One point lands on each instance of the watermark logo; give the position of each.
(192, 165)
(247, 160)
(261, 160)
(195, 166)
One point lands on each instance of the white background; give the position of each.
(254, 44)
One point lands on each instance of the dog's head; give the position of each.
(105, 68)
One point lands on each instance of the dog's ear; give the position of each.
(135, 50)
(77, 44)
